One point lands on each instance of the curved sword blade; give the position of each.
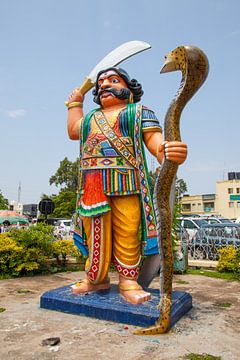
(119, 54)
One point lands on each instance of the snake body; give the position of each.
(193, 64)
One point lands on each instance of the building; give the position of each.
(226, 201)
(16, 206)
(30, 210)
(228, 196)
(199, 204)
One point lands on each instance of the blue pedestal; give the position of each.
(109, 305)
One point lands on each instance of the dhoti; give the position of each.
(114, 236)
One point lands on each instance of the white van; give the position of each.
(62, 228)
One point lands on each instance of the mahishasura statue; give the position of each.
(117, 210)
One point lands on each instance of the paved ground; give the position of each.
(208, 328)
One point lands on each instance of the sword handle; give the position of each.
(86, 86)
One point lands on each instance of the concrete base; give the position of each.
(109, 305)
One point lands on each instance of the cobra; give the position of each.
(193, 64)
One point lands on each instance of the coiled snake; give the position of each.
(193, 64)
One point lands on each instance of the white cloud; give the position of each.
(233, 33)
(16, 113)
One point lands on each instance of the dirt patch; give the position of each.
(207, 328)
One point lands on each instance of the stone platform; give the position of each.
(109, 305)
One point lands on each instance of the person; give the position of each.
(6, 226)
(115, 216)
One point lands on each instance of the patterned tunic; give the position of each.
(105, 170)
(119, 177)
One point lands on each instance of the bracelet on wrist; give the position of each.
(73, 104)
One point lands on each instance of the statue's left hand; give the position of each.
(175, 151)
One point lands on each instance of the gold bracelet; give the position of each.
(73, 104)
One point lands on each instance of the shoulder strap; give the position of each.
(116, 142)
(86, 121)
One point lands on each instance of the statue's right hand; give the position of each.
(76, 95)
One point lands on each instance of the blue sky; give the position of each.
(49, 46)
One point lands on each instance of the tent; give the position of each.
(12, 217)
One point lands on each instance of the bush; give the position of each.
(229, 260)
(39, 236)
(24, 251)
(63, 249)
(28, 251)
(10, 255)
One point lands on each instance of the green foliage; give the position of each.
(25, 251)
(39, 236)
(193, 356)
(65, 204)
(3, 202)
(29, 251)
(66, 175)
(229, 260)
(10, 254)
(180, 188)
(63, 249)
(214, 274)
(223, 305)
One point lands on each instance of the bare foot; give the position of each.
(85, 286)
(132, 291)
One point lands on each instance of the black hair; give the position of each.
(132, 84)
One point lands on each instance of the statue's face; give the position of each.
(107, 81)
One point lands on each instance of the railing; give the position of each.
(208, 240)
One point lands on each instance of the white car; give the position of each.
(62, 228)
(191, 225)
(215, 219)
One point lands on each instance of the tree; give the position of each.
(3, 202)
(180, 189)
(66, 175)
(65, 204)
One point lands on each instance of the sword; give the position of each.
(112, 59)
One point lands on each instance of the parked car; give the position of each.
(212, 237)
(215, 219)
(62, 228)
(191, 225)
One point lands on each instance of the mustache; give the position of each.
(122, 94)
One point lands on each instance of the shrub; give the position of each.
(10, 255)
(229, 260)
(39, 236)
(63, 249)
(28, 251)
(24, 251)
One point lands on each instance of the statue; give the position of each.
(115, 212)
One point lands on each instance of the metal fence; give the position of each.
(208, 240)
